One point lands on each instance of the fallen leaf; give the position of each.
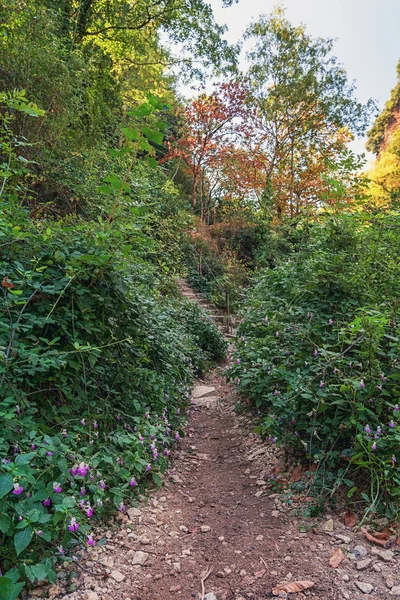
(373, 539)
(336, 558)
(350, 519)
(382, 535)
(296, 474)
(260, 574)
(6, 284)
(293, 587)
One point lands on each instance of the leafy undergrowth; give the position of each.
(97, 366)
(318, 356)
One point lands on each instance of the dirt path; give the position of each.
(216, 515)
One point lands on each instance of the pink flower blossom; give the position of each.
(74, 525)
(57, 487)
(90, 540)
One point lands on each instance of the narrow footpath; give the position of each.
(217, 531)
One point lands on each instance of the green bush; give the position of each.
(318, 353)
(95, 372)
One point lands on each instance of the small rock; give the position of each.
(385, 555)
(210, 596)
(183, 528)
(175, 588)
(205, 528)
(377, 568)
(328, 525)
(287, 558)
(202, 390)
(343, 538)
(275, 514)
(259, 538)
(366, 588)
(363, 564)
(54, 591)
(90, 596)
(133, 513)
(346, 594)
(242, 573)
(345, 577)
(259, 493)
(221, 538)
(144, 540)
(220, 574)
(260, 482)
(360, 552)
(117, 576)
(177, 567)
(139, 558)
(395, 591)
(247, 472)
(389, 583)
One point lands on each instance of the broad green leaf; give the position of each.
(22, 539)
(6, 484)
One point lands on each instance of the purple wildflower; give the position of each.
(102, 484)
(148, 467)
(57, 487)
(315, 353)
(89, 511)
(46, 502)
(40, 532)
(83, 422)
(83, 491)
(133, 481)
(18, 489)
(74, 525)
(95, 425)
(33, 446)
(367, 429)
(373, 447)
(321, 384)
(122, 507)
(396, 408)
(90, 540)
(177, 436)
(392, 424)
(362, 383)
(330, 322)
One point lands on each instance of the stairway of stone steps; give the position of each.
(222, 320)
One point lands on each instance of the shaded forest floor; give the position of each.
(216, 517)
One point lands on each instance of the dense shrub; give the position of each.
(96, 367)
(318, 352)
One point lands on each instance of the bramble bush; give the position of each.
(318, 354)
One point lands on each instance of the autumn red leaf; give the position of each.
(336, 558)
(296, 474)
(6, 284)
(372, 538)
(350, 519)
(293, 587)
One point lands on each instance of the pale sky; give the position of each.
(367, 32)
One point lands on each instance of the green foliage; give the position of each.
(318, 351)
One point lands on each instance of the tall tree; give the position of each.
(305, 110)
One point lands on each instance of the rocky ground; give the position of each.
(216, 530)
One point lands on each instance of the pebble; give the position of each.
(343, 538)
(363, 564)
(133, 513)
(183, 528)
(345, 577)
(175, 588)
(210, 596)
(377, 568)
(259, 493)
(117, 576)
(385, 555)
(144, 540)
(90, 596)
(205, 528)
(389, 582)
(259, 538)
(360, 552)
(328, 525)
(366, 588)
(139, 558)
(287, 558)
(395, 591)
